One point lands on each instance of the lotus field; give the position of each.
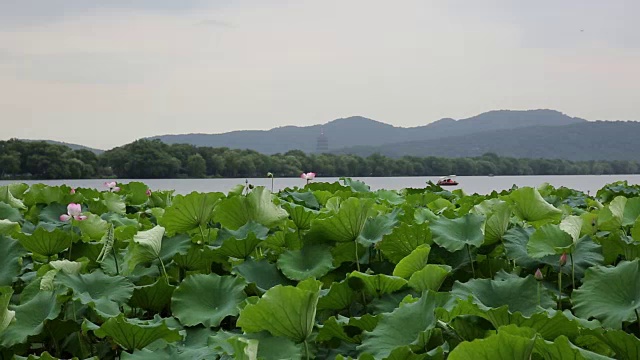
(323, 271)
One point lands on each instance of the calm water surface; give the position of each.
(470, 184)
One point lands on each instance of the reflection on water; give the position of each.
(470, 184)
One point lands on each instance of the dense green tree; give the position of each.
(196, 166)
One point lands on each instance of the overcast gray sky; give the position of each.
(106, 72)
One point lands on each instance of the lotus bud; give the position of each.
(72, 191)
(538, 275)
(563, 259)
(148, 192)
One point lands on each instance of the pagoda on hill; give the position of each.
(322, 143)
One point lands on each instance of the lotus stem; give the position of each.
(573, 272)
(539, 299)
(115, 259)
(560, 289)
(164, 270)
(306, 349)
(201, 232)
(357, 259)
(473, 270)
(71, 245)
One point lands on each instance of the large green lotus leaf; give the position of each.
(407, 325)
(146, 246)
(375, 285)
(635, 231)
(528, 205)
(172, 246)
(207, 299)
(29, 318)
(269, 347)
(241, 243)
(103, 293)
(340, 296)
(300, 215)
(413, 262)
(172, 352)
(284, 311)
(196, 258)
(497, 214)
(43, 194)
(454, 234)
(548, 325)
(135, 192)
(609, 294)
(308, 199)
(610, 218)
(625, 345)
(155, 297)
(7, 197)
(312, 261)
(93, 228)
(390, 196)
(114, 202)
(377, 227)
(505, 345)
(631, 211)
(6, 315)
(562, 348)
(619, 244)
(189, 212)
(9, 213)
(519, 294)
(403, 240)
(136, 334)
(8, 227)
(262, 273)
(430, 277)
(345, 225)
(51, 213)
(515, 245)
(43, 242)
(572, 225)
(549, 240)
(424, 215)
(258, 206)
(332, 329)
(585, 255)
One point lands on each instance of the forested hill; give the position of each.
(360, 131)
(599, 140)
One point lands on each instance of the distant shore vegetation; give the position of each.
(153, 159)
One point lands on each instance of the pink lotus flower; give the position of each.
(72, 191)
(563, 259)
(148, 192)
(73, 211)
(538, 275)
(112, 185)
(308, 176)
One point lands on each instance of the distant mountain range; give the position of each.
(360, 131)
(530, 134)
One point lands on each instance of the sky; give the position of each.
(103, 73)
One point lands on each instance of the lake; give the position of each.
(470, 184)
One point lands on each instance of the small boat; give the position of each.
(447, 181)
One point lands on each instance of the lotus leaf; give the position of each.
(284, 311)
(207, 299)
(258, 206)
(609, 294)
(455, 234)
(46, 243)
(528, 205)
(136, 334)
(30, 318)
(101, 292)
(312, 261)
(189, 212)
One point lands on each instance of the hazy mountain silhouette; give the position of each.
(599, 140)
(360, 131)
